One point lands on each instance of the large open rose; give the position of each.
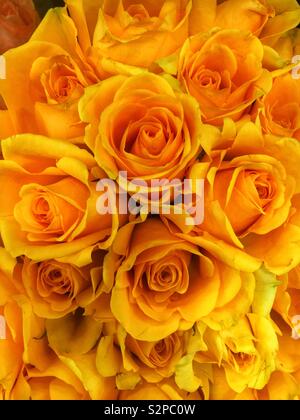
(165, 283)
(130, 32)
(141, 125)
(48, 200)
(223, 70)
(252, 193)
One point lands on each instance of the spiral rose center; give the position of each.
(162, 353)
(61, 83)
(138, 12)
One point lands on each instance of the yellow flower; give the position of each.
(166, 390)
(48, 201)
(279, 110)
(130, 360)
(246, 351)
(223, 70)
(252, 193)
(268, 19)
(56, 288)
(141, 125)
(49, 74)
(131, 33)
(165, 283)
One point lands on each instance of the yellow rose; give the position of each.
(56, 289)
(48, 201)
(289, 347)
(279, 111)
(281, 386)
(50, 74)
(129, 359)
(287, 302)
(141, 125)
(247, 352)
(268, 19)
(166, 390)
(164, 282)
(57, 382)
(135, 34)
(25, 347)
(252, 193)
(223, 70)
(74, 338)
(288, 45)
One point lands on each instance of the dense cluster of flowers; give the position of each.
(144, 306)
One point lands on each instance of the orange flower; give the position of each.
(139, 124)
(252, 193)
(57, 289)
(49, 209)
(130, 32)
(50, 74)
(165, 282)
(223, 71)
(268, 19)
(18, 20)
(279, 111)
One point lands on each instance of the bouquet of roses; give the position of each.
(150, 200)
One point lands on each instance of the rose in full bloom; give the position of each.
(279, 111)
(252, 193)
(223, 70)
(50, 74)
(48, 201)
(130, 32)
(18, 20)
(140, 125)
(164, 282)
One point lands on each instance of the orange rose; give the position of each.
(246, 351)
(252, 193)
(223, 71)
(129, 32)
(18, 20)
(268, 19)
(50, 75)
(141, 125)
(287, 302)
(165, 282)
(280, 113)
(56, 288)
(48, 204)
(121, 355)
